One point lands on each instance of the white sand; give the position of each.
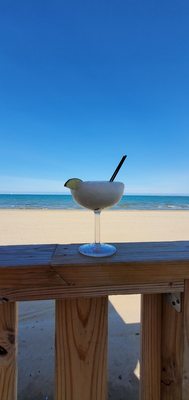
(41, 226)
(36, 323)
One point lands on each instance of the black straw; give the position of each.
(118, 168)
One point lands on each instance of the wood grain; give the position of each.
(142, 252)
(8, 351)
(59, 292)
(171, 352)
(58, 271)
(43, 254)
(52, 271)
(185, 378)
(26, 255)
(150, 347)
(81, 349)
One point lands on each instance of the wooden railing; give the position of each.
(81, 286)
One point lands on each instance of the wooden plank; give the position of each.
(8, 351)
(81, 349)
(185, 377)
(50, 270)
(30, 277)
(136, 273)
(90, 276)
(59, 292)
(150, 347)
(142, 252)
(26, 255)
(134, 263)
(171, 352)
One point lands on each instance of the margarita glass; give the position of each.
(97, 195)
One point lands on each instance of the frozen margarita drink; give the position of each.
(97, 195)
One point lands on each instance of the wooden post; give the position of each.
(8, 351)
(171, 352)
(81, 348)
(150, 347)
(185, 378)
(162, 349)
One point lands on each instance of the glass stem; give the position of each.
(97, 226)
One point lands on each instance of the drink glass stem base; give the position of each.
(97, 250)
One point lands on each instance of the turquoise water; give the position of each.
(65, 202)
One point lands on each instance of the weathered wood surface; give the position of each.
(56, 271)
(142, 252)
(162, 374)
(185, 377)
(67, 255)
(171, 352)
(8, 351)
(81, 349)
(61, 292)
(150, 376)
(26, 255)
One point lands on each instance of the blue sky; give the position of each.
(84, 82)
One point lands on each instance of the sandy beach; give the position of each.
(36, 319)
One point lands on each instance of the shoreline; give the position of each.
(66, 202)
(89, 211)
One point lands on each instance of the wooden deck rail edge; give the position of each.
(34, 272)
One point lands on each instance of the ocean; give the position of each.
(65, 202)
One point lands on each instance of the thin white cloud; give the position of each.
(11, 184)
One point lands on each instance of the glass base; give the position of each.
(97, 250)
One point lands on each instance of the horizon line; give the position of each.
(68, 194)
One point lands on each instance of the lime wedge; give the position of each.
(73, 183)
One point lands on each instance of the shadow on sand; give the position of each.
(36, 354)
(124, 347)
